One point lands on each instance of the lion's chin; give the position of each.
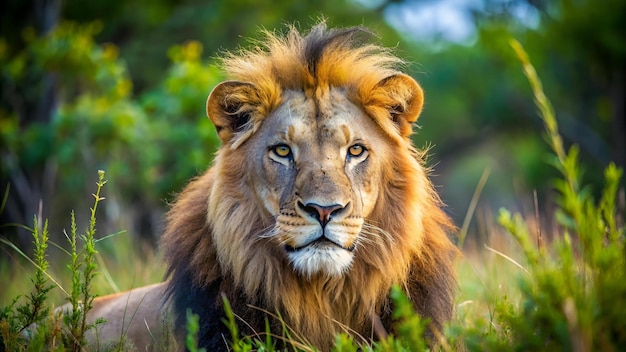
(327, 260)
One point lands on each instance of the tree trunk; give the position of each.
(28, 187)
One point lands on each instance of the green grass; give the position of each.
(120, 269)
(28, 321)
(524, 290)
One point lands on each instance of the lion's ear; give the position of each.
(230, 106)
(402, 99)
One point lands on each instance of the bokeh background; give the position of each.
(120, 85)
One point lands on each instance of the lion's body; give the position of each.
(314, 207)
(136, 314)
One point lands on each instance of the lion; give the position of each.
(315, 205)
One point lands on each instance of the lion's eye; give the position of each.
(356, 150)
(282, 150)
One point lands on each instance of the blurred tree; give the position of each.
(88, 80)
(479, 109)
(32, 100)
(145, 30)
(591, 37)
(580, 45)
(579, 48)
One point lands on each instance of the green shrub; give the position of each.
(573, 289)
(31, 326)
(575, 295)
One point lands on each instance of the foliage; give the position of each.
(81, 298)
(477, 110)
(572, 299)
(31, 326)
(98, 120)
(14, 318)
(193, 326)
(100, 124)
(573, 289)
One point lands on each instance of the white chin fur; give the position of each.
(332, 261)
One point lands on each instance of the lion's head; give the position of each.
(317, 202)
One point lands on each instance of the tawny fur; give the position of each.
(218, 236)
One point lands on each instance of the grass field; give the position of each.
(120, 268)
(485, 276)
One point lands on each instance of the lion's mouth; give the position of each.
(319, 243)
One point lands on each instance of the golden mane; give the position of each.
(410, 246)
(314, 63)
(318, 60)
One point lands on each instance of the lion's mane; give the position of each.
(415, 253)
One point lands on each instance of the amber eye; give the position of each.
(282, 150)
(356, 150)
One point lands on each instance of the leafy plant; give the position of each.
(572, 298)
(81, 298)
(31, 326)
(191, 339)
(14, 318)
(573, 288)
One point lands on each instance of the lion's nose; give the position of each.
(323, 213)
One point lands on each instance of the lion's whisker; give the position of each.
(371, 229)
(268, 232)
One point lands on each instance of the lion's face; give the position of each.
(316, 170)
(314, 161)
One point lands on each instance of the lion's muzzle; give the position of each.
(326, 240)
(322, 213)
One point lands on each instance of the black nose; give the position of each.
(323, 213)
